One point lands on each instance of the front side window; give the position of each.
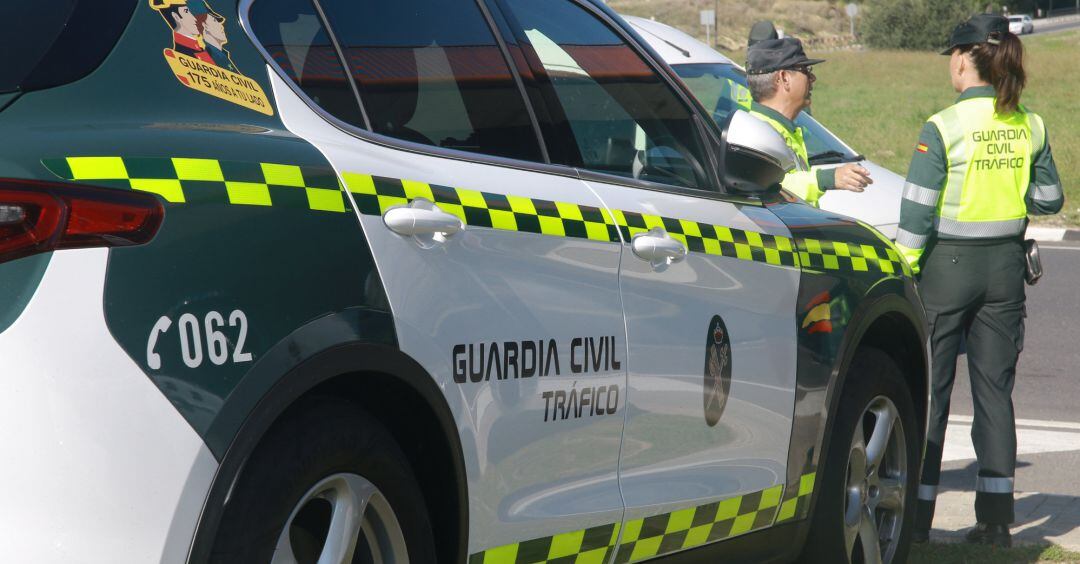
(623, 117)
(295, 38)
(431, 72)
(721, 88)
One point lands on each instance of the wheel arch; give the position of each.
(395, 389)
(894, 323)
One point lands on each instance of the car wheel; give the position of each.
(327, 484)
(866, 506)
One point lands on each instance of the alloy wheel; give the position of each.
(877, 474)
(344, 519)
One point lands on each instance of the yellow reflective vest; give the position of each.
(976, 175)
(803, 182)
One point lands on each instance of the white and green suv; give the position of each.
(425, 281)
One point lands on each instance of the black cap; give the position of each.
(981, 28)
(772, 55)
(762, 31)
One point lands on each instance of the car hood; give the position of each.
(878, 206)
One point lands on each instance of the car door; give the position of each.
(708, 287)
(501, 272)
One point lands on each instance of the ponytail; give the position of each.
(1000, 62)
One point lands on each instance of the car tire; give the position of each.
(856, 492)
(326, 479)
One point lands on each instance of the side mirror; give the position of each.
(753, 157)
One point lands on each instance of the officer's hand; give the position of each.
(853, 177)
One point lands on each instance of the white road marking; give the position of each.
(967, 419)
(1041, 247)
(1032, 437)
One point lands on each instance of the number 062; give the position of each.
(194, 335)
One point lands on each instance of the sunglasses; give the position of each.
(804, 69)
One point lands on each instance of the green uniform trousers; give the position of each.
(975, 290)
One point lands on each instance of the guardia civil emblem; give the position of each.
(717, 384)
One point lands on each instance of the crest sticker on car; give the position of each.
(717, 384)
(200, 56)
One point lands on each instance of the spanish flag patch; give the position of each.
(922, 148)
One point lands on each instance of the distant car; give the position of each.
(709, 74)
(1021, 25)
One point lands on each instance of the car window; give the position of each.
(721, 88)
(431, 72)
(293, 35)
(623, 117)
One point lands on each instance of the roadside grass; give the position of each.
(963, 553)
(877, 101)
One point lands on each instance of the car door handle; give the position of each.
(658, 248)
(423, 221)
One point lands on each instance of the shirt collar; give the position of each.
(775, 115)
(189, 42)
(978, 92)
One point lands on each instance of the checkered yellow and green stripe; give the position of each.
(590, 546)
(851, 257)
(796, 502)
(646, 537)
(719, 240)
(195, 180)
(374, 195)
(696, 526)
(190, 180)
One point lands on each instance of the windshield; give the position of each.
(721, 88)
(1015, 19)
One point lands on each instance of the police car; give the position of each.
(720, 85)
(427, 281)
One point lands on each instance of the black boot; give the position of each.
(919, 536)
(993, 535)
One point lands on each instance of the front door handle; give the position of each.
(658, 248)
(423, 221)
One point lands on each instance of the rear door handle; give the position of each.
(423, 221)
(658, 248)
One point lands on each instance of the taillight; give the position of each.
(37, 217)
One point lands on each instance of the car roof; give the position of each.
(676, 47)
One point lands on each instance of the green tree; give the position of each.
(920, 25)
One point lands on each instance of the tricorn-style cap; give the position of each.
(762, 31)
(981, 28)
(772, 55)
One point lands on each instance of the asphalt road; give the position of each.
(1056, 26)
(1047, 393)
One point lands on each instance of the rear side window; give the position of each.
(719, 87)
(431, 72)
(50, 43)
(293, 35)
(624, 118)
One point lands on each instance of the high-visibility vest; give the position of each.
(989, 169)
(801, 182)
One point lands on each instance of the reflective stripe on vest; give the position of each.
(989, 169)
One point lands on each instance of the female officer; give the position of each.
(980, 167)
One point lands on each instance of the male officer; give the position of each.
(781, 80)
(186, 29)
